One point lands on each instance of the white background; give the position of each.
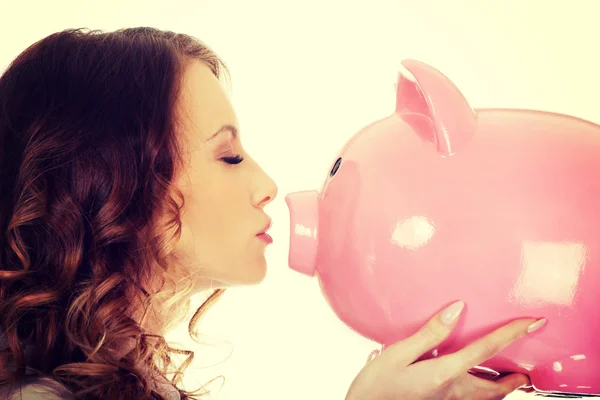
(306, 76)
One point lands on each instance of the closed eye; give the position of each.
(233, 160)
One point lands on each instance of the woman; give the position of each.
(125, 190)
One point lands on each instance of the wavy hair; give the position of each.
(89, 213)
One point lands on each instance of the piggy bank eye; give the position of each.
(336, 166)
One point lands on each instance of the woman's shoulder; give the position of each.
(42, 388)
(38, 389)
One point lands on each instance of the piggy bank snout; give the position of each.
(304, 220)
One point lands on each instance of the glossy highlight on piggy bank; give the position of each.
(441, 202)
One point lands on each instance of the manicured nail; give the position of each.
(536, 325)
(451, 313)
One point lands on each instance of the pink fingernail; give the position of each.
(536, 325)
(451, 313)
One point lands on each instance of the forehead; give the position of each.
(204, 105)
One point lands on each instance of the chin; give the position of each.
(253, 274)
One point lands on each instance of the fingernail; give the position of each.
(536, 325)
(452, 312)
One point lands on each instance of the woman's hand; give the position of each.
(395, 375)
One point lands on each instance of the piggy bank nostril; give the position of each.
(336, 166)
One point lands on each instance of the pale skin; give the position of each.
(226, 192)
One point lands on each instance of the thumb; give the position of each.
(512, 382)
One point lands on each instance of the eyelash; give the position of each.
(233, 160)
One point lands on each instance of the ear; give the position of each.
(421, 89)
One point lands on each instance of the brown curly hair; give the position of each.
(89, 212)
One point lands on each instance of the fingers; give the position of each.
(488, 346)
(472, 387)
(504, 386)
(431, 335)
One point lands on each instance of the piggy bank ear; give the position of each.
(424, 90)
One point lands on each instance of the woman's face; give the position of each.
(225, 190)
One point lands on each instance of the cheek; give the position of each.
(211, 218)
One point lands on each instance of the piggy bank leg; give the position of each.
(375, 353)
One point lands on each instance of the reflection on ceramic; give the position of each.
(439, 202)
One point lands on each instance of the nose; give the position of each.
(265, 191)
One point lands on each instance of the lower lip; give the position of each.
(265, 238)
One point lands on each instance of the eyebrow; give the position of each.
(225, 128)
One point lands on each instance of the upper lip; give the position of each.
(266, 228)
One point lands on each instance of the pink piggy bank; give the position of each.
(440, 202)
